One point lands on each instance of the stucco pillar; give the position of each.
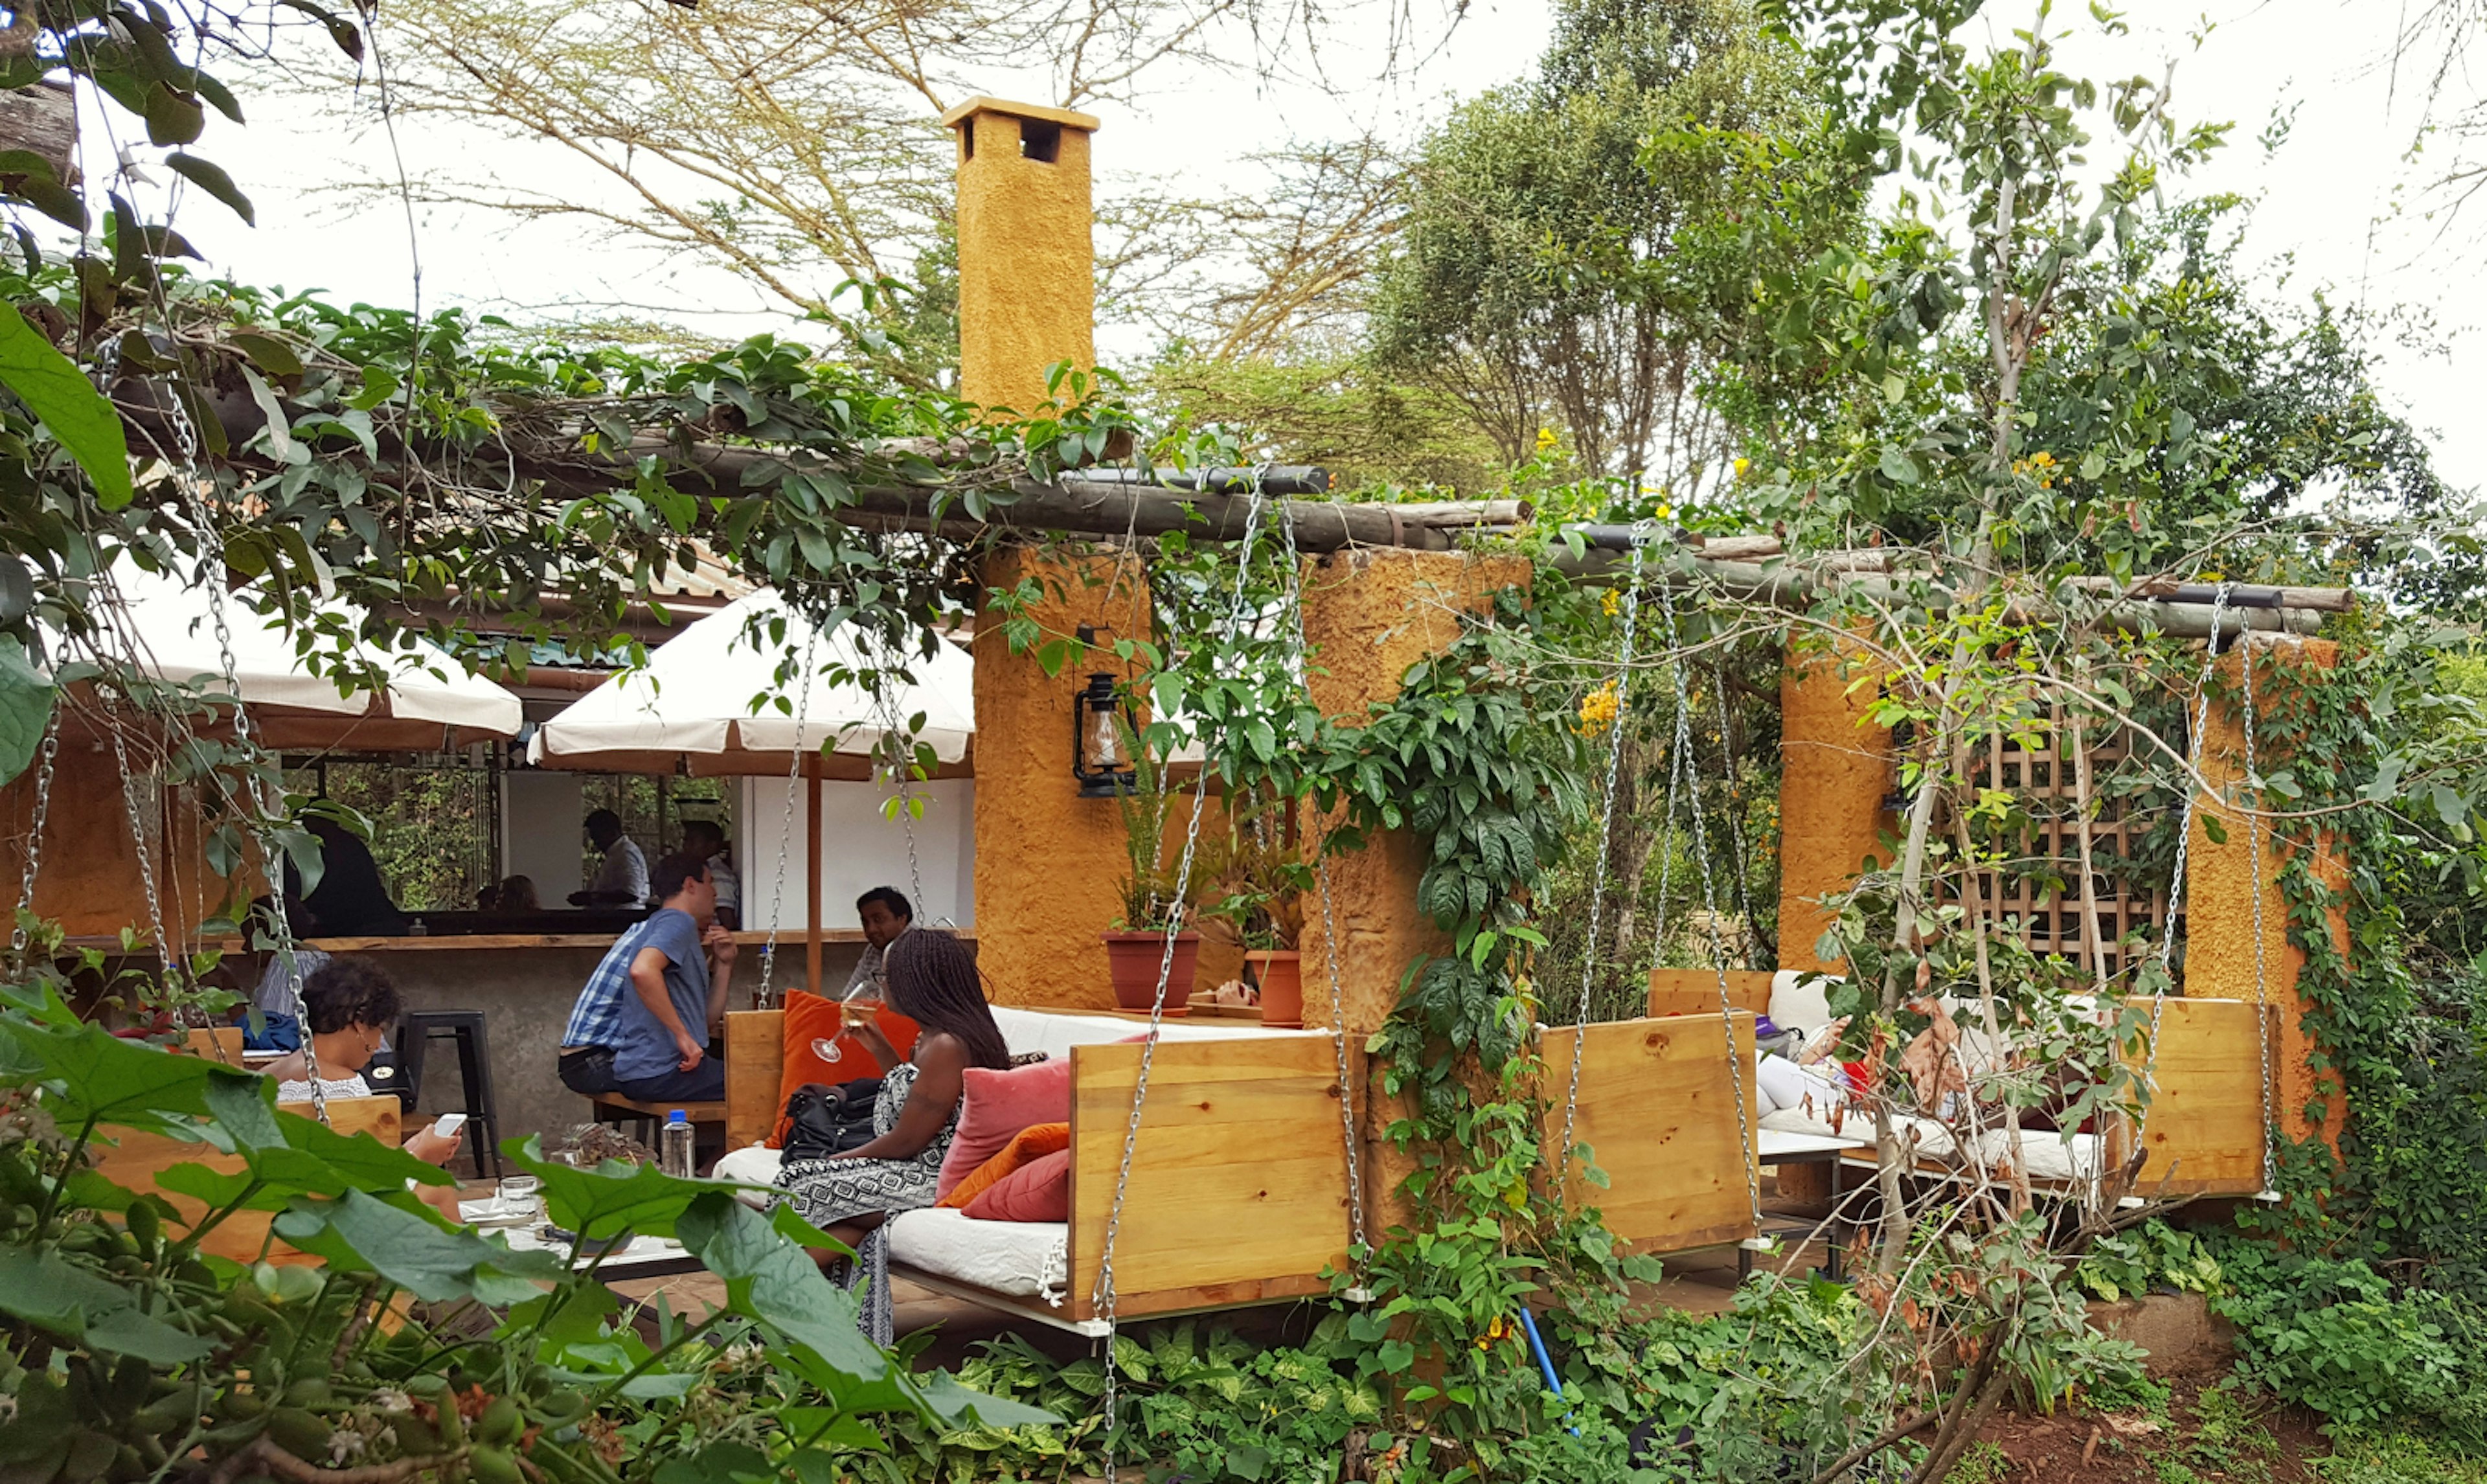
(2221, 877)
(1027, 285)
(1047, 860)
(1835, 772)
(1368, 616)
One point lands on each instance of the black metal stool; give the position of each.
(474, 1074)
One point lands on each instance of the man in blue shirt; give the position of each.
(652, 1000)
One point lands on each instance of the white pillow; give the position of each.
(1800, 1000)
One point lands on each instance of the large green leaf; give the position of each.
(770, 1279)
(407, 1250)
(56, 392)
(43, 1290)
(294, 1155)
(26, 709)
(612, 1198)
(99, 1076)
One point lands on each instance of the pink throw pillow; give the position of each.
(994, 1106)
(1038, 1190)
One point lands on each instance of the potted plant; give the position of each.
(1263, 906)
(1155, 901)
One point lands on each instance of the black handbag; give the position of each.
(823, 1120)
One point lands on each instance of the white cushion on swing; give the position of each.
(1800, 1002)
(1025, 1259)
(2049, 1156)
(1054, 1032)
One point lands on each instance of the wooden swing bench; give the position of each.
(2204, 1130)
(1237, 1190)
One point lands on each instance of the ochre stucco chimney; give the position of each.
(1027, 273)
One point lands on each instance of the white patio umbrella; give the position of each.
(430, 701)
(693, 706)
(695, 702)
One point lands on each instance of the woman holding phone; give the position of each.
(932, 981)
(351, 1004)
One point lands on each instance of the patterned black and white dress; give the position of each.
(827, 1192)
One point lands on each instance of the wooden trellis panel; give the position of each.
(2036, 894)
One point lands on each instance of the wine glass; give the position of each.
(855, 1013)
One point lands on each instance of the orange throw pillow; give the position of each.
(810, 1017)
(1034, 1143)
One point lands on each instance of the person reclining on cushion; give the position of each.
(353, 1006)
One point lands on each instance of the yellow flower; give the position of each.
(1742, 465)
(1545, 439)
(1599, 709)
(1612, 602)
(1494, 1333)
(1665, 512)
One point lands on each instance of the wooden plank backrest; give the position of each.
(2204, 1130)
(137, 1159)
(216, 1043)
(1695, 991)
(1657, 1109)
(755, 1061)
(1238, 1187)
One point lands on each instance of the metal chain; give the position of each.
(1710, 901)
(2253, 858)
(271, 863)
(786, 829)
(1105, 1292)
(164, 949)
(1606, 849)
(891, 723)
(1358, 1250)
(2185, 828)
(1733, 815)
(17, 935)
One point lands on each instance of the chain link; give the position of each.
(2254, 859)
(1358, 1248)
(765, 999)
(130, 806)
(2185, 831)
(1710, 900)
(259, 806)
(1105, 1292)
(1606, 849)
(17, 934)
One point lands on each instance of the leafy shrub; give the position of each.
(2333, 1336)
(2149, 1259)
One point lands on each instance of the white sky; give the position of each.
(2342, 207)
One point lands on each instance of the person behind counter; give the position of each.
(622, 880)
(642, 1024)
(885, 915)
(350, 900)
(352, 1005)
(705, 838)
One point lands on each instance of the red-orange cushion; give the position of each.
(1038, 1191)
(810, 1017)
(1028, 1146)
(995, 1106)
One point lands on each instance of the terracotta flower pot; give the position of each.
(1280, 973)
(1134, 959)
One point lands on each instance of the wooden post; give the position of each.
(811, 874)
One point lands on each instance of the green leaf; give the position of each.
(612, 1198)
(110, 1080)
(73, 411)
(769, 1278)
(409, 1250)
(173, 117)
(211, 178)
(270, 354)
(380, 384)
(961, 1407)
(26, 709)
(42, 1289)
(1898, 466)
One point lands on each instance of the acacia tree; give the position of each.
(1579, 250)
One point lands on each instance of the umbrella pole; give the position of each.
(812, 875)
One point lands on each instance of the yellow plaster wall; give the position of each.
(1368, 616)
(1027, 267)
(1836, 770)
(1047, 860)
(2222, 879)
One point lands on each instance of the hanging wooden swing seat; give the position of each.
(1239, 1184)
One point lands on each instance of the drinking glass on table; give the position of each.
(515, 1195)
